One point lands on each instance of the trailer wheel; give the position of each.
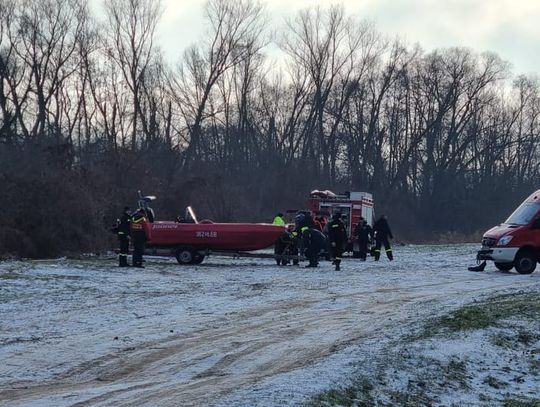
(525, 262)
(198, 258)
(504, 266)
(185, 255)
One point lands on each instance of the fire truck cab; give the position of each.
(352, 206)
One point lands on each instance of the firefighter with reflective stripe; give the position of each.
(278, 220)
(337, 234)
(382, 233)
(311, 240)
(286, 245)
(123, 237)
(138, 236)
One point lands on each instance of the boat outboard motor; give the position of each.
(143, 204)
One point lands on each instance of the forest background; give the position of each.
(248, 121)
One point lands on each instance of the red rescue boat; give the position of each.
(215, 236)
(190, 240)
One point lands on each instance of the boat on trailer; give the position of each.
(190, 241)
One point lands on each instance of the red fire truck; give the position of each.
(352, 206)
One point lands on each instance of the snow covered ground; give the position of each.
(245, 332)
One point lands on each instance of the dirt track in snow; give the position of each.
(86, 333)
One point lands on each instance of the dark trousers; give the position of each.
(312, 254)
(363, 249)
(378, 243)
(139, 239)
(336, 252)
(124, 250)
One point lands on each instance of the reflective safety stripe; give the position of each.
(377, 251)
(335, 226)
(121, 233)
(304, 229)
(388, 250)
(141, 219)
(123, 255)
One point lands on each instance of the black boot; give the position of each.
(480, 267)
(123, 261)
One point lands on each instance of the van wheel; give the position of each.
(525, 262)
(185, 255)
(504, 266)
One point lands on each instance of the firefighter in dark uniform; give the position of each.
(337, 234)
(313, 241)
(310, 240)
(138, 236)
(363, 233)
(382, 233)
(286, 245)
(123, 237)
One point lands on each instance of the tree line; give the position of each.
(248, 121)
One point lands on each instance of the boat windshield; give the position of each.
(523, 214)
(190, 215)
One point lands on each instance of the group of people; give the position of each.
(132, 227)
(311, 237)
(380, 234)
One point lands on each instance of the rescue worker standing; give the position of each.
(312, 240)
(278, 220)
(138, 236)
(364, 234)
(337, 234)
(123, 237)
(382, 233)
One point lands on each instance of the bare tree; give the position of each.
(45, 39)
(130, 43)
(235, 35)
(334, 52)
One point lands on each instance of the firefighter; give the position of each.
(363, 233)
(123, 237)
(278, 220)
(286, 245)
(382, 233)
(138, 236)
(309, 239)
(313, 241)
(337, 234)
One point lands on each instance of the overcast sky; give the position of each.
(510, 28)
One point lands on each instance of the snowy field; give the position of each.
(245, 332)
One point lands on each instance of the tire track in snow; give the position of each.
(250, 346)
